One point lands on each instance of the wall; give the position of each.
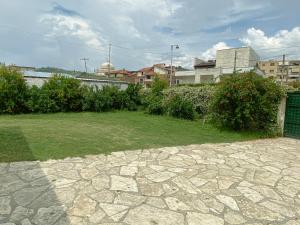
(245, 57)
(211, 72)
(185, 77)
(281, 115)
(38, 81)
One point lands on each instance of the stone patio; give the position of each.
(255, 182)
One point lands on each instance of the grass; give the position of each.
(56, 136)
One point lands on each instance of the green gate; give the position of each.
(292, 115)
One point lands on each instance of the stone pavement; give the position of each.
(255, 182)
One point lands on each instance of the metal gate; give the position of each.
(292, 115)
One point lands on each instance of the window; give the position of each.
(263, 64)
(177, 81)
(272, 64)
(148, 77)
(141, 81)
(271, 71)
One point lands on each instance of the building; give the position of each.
(227, 62)
(206, 71)
(269, 68)
(123, 75)
(146, 75)
(105, 69)
(233, 60)
(287, 71)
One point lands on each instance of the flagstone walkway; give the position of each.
(255, 182)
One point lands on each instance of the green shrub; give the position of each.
(199, 96)
(294, 85)
(155, 105)
(98, 100)
(40, 102)
(246, 102)
(133, 92)
(158, 85)
(67, 93)
(181, 108)
(13, 91)
(154, 98)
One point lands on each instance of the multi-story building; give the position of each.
(269, 68)
(122, 75)
(146, 75)
(287, 71)
(236, 60)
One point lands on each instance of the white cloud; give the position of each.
(211, 52)
(282, 41)
(71, 26)
(125, 25)
(162, 8)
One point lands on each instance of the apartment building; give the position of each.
(269, 68)
(287, 71)
(242, 59)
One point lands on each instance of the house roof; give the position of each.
(124, 72)
(206, 64)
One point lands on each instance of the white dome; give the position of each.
(106, 66)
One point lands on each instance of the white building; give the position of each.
(104, 69)
(236, 59)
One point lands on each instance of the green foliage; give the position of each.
(295, 85)
(199, 96)
(133, 92)
(13, 91)
(246, 102)
(154, 99)
(155, 105)
(67, 93)
(181, 108)
(158, 85)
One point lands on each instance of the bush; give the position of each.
(98, 100)
(134, 94)
(66, 93)
(158, 85)
(13, 91)
(155, 105)
(181, 108)
(40, 102)
(246, 102)
(294, 85)
(199, 96)
(153, 99)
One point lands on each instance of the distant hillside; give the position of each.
(57, 70)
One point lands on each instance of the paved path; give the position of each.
(256, 182)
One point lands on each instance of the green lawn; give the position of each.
(55, 136)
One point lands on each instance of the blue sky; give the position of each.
(59, 33)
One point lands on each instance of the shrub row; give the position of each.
(240, 102)
(61, 94)
(174, 102)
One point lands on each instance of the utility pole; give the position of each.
(172, 49)
(282, 69)
(109, 58)
(234, 66)
(85, 59)
(287, 72)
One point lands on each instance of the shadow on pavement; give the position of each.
(27, 194)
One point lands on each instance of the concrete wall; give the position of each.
(281, 115)
(245, 57)
(185, 77)
(204, 74)
(39, 81)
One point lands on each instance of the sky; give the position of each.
(59, 33)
